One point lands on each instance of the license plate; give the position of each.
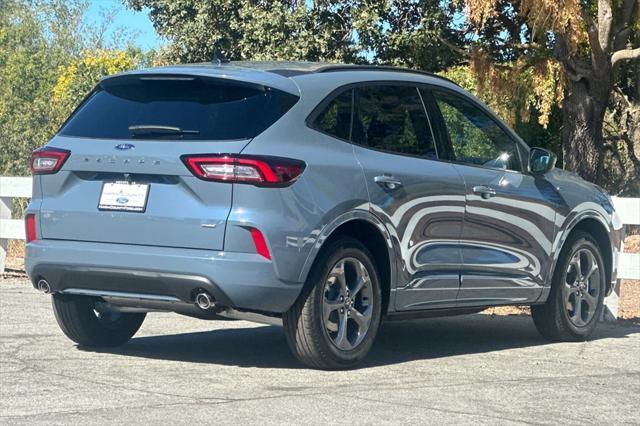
(124, 196)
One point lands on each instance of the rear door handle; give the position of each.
(484, 191)
(387, 181)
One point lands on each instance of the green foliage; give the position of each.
(519, 106)
(239, 29)
(469, 142)
(570, 53)
(401, 32)
(77, 78)
(49, 60)
(27, 72)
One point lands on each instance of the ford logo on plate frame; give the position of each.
(124, 146)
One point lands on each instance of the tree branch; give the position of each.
(605, 24)
(620, 93)
(627, 9)
(573, 71)
(457, 49)
(597, 53)
(620, 38)
(625, 55)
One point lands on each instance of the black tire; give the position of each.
(80, 322)
(554, 319)
(304, 324)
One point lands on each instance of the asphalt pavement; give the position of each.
(478, 369)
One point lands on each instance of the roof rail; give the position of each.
(340, 67)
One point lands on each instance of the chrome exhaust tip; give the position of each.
(43, 286)
(204, 301)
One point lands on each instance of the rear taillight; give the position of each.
(256, 170)
(30, 227)
(48, 160)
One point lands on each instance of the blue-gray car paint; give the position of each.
(197, 228)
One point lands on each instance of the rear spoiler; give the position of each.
(230, 73)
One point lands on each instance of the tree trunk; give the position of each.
(631, 184)
(583, 112)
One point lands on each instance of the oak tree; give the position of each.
(591, 41)
(406, 32)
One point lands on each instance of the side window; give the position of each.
(392, 118)
(475, 137)
(335, 119)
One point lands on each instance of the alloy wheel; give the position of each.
(581, 288)
(347, 303)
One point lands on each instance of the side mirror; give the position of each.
(541, 161)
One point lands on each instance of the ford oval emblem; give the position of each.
(122, 200)
(124, 146)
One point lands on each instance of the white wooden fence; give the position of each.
(13, 229)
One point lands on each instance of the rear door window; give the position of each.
(180, 107)
(335, 118)
(392, 118)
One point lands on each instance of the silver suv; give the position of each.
(320, 197)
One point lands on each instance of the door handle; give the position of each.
(387, 181)
(484, 191)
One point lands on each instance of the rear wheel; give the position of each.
(577, 292)
(86, 322)
(334, 322)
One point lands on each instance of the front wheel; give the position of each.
(334, 322)
(577, 292)
(83, 320)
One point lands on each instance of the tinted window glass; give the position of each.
(335, 119)
(392, 118)
(177, 108)
(475, 137)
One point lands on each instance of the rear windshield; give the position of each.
(189, 108)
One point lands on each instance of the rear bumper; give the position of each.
(238, 280)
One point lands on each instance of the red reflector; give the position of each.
(256, 170)
(47, 160)
(30, 227)
(260, 243)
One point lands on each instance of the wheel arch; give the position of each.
(372, 233)
(593, 224)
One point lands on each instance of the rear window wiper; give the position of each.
(154, 129)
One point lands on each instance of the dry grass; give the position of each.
(15, 249)
(630, 300)
(632, 244)
(508, 310)
(629, 292)
(629, 304)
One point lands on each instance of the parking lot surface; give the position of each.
(479, 369)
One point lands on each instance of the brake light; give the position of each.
(256, 170)
(48, 160)
(260, 243)
(30, 227)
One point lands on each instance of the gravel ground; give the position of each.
(479, 369)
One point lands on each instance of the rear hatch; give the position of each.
(124, 181)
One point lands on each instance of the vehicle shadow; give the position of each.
(397, 342)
